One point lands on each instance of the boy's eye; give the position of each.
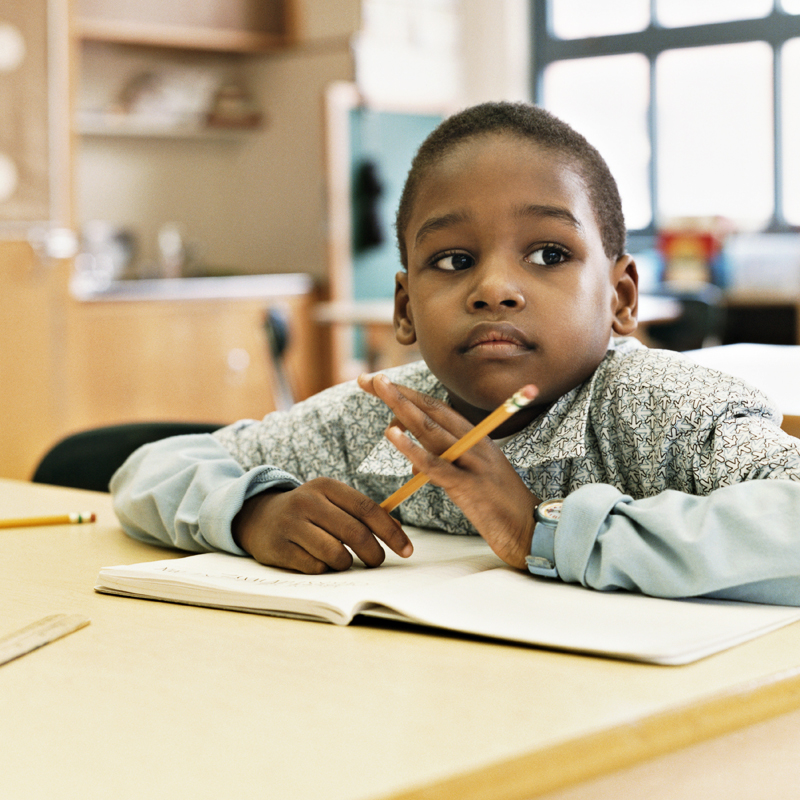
(548, 256)
(454, 261)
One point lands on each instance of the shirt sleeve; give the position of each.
(740, 542)
(185, 491)
(719, 514)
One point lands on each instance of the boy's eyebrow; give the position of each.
(437, 223)
(527, 210)
(556, 212)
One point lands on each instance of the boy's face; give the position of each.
(507, 281)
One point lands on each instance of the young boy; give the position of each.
(675, 480)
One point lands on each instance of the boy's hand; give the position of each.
(306, 529)
(482, 482)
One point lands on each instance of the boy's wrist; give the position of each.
(246, 522)
(239, 523)
(523, 545)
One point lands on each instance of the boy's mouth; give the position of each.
(497, 338)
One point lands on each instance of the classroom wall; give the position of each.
(495, 48)
(251, 203)
(436, 53)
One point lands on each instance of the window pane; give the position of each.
(606, 100)
(791, 131)
(674, 13)
(573, 19)
(791, 6)
(715, 128)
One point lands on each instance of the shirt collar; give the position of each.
(559, 434)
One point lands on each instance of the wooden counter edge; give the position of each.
(606, 751)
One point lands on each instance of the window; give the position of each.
(695, 104)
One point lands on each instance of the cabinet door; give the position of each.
(206, 361)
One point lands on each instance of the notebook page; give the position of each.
(508, 604)
(236, 582)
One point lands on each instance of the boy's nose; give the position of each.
(495, 287)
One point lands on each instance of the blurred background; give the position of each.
(197, 199)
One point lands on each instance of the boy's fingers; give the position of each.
(421, 459)
(433, 422)
(297, 557)
(324, 548)
(310, 528)
(339, 529)
(377, 523)
(367, 382)
(359, 521)
(403, 397)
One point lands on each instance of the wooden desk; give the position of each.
(162, 701)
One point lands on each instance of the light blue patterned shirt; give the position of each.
(658, 459)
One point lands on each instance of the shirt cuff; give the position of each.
(583, 517)
(223, 504)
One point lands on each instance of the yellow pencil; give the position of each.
(60, 519)
(483, 428)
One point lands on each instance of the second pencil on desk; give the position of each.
(57, 519)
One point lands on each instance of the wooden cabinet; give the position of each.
(252, 201)
(184, 358)
(67, 364)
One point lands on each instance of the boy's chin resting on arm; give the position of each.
(306, 528)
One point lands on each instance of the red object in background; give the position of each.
(689, 255)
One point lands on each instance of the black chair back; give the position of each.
(88, 459)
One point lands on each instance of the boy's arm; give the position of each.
(740, 542)
(185, 492)
(193, 493)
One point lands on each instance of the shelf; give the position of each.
(230, 287)
(113, 125)
(180, 37)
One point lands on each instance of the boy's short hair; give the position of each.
(527, 122)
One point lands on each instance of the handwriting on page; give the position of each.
(333, 582)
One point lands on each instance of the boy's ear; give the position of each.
(625, 282)
(403, 321)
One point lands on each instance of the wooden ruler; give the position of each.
(39, 633)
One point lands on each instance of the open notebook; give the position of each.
(456, 583)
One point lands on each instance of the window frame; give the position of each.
(776, 28)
